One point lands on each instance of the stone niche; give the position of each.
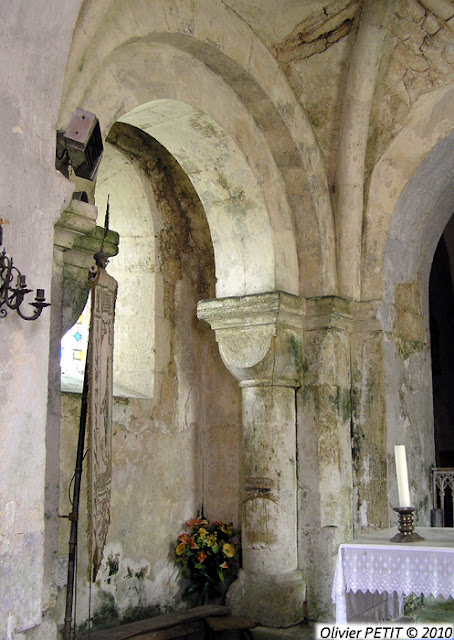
(175, 437)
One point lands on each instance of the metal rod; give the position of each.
(74, 515)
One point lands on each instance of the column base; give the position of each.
(269, 600)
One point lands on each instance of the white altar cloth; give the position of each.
(373, 564)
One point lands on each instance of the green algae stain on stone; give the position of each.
(344, 404)
(409, 330)
(296, 352)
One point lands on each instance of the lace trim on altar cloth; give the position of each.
(392, 569)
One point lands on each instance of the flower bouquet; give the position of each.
(208, 554)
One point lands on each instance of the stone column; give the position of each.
(260, 342)
(324, 447)
(76, 221)
(76, 239)
(369, 431)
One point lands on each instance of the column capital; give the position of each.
(259, 336)
(328, 312)
(77, 220)
(342, 314)
(77, 239)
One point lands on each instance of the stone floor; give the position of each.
(419, 611)
(430, 610)
(300, 632)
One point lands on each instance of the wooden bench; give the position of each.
(228, 628)
(184, 625)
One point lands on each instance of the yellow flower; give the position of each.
(181, 548)
(228, 550)
(210, 540)
(203, 532)
(227, 528)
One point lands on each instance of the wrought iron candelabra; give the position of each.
(12, 296)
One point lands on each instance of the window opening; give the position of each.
(73, 352)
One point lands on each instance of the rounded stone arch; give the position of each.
(419, 218)
(131, 215)
(395, 178)
(192, 100)
(233, 203)
(239, 85)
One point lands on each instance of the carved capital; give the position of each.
(328, 312)
(259, 336)
(78, 237)
(75, 221)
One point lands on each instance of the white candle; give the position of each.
(402, 476)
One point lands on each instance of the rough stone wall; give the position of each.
(419, 59)
(32, 196)
(135, 266)
(314, 57)
(156, 485)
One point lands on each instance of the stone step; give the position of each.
(185, 625)
(434, 612)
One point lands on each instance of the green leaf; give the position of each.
(192, 588)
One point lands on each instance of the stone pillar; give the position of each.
(76, 238)
(324, 447)
(77, 220)
(369, 430)
(260, 342)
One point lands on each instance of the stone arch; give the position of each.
(232, 200)
(132, 217)
(430, 121)
(165, 433)
(130, 56)
(419, 218)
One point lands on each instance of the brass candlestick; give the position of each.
(406, 527)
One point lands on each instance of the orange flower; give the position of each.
(195, 522)
(184, 537)
(224, 565)
(201, 557)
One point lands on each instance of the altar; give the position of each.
(381, 572)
